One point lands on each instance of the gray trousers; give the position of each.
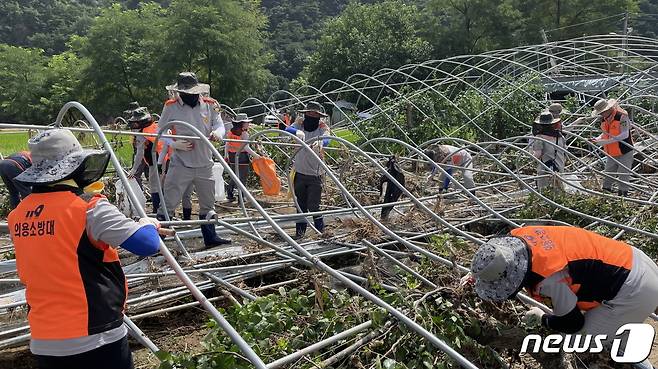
(547, 179)
(187, 197)
(618, 167)
(179, 178)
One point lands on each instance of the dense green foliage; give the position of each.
(618, 211)
(106, 53)
(280, 324)
(422, 116)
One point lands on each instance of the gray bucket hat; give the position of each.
(546, 118)
(240, 118)
(499, 267)
(56, 154)
(603, 105)
(140, 114)
(188, 83)
(315, 107)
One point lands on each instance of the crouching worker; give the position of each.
(308, 170)
(594, 284)
(141, 121)
(65, 242)
(457, 158)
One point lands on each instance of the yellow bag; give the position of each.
(266, 170)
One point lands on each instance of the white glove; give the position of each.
(255, 156)
(466, 280)
(216, 135)
(316, 147)
(152, 221)
(182, 145)
(532, 317)
(301, 135)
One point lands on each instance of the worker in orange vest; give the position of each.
(141, 121)
(10, 167)
(594, 284)
(239, 131)
(65, 242)
(617, 143)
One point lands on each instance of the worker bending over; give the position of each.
(456, 159)
(594, 284)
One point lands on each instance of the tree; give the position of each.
(366, 38)
(45, 24)
(563, 19)
(223, 41)
(121, 51)
(22, 75)
(460, 27)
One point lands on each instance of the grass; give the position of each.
(11, 142)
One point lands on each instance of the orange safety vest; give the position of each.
(611, 129)
(153, 128)
(232, 146)
(597, 266)
(74, 286)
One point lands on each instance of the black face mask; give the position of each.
(311, 124)
(190, 100)
(91, 170)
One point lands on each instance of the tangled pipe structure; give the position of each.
(504, 172)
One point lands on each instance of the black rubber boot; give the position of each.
(622, 193)
(210, 238)
(187, 214)
(155, 198)
(318, 223)
(300, 230)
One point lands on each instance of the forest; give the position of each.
(107, 53)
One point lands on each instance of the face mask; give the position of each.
(311, 124)
(190, 100)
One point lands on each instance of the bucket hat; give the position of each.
(188, 83)
(56, 155)
(314, 106)
(603, 105)
(546, 118)
(140, 118)
(499, 267)
(241, 118)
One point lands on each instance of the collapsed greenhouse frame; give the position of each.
(630, 60)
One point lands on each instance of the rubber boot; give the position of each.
(300, 230)
(187, 214)
(318, 223)
(155, 198)
(622, 193)
(210, 238)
